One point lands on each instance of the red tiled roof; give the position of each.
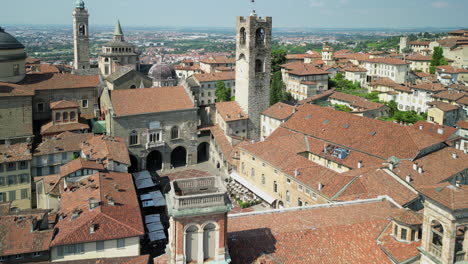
(463, 100)
(446, 107)
(221, 140)
(106, 148)
(359, 135)
(303, 69)
(400, 251)
(462, 124)
(52, 81)
(63, 104)
(356, 101)
(419, 43)
(337, 234)
(12, 90)
(279, 111)
(151, 100)
(218, 60)
(419, 57)
(441, 132)
(78, 164)
(51, 128)
(64, 142)
(431, 87)
(216, 76)
(452, 197)
(391, 61)
(121, 220)
(42, 68)
(409, 217)
(16, 236)
(15, 152)
(120, 260)
(230, 111)
(354, 69)
(450, 95)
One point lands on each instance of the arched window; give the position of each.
(133, 140)
(191, 244)
(132, 87)
(57, 117)
(243, 36)
(260, 37)
(175, 132)
(288, 196)
(242, 56)
(258, 66)
(209, 241)
(65, 116)
(275, 186)
(106, 60)
(72, 116)
(263, 179)
(252, 172)
(437, 231)
(82, 30)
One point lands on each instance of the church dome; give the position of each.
(162, 71)
(7, 41)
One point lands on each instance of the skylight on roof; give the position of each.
(326, 122)
(346, 125)
(372, 133)
(308, 117)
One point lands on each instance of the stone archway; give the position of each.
(133, 164)
(203, 152)
(154, 161)
(179, 157)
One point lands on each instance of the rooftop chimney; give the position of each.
(455, 155)
(408, 178)
(296, 173)
(320, 186)
(92, 228)
(420, 170)
(457, 184)
(440, 131)
(420, 127)
(359, 164)
(415, 166)
(391, 166)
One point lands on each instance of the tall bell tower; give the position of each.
(80, 36)
(253, 67)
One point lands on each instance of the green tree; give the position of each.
(393, 107)
(223, 94)
(437, 59)
(278, 57)
(407, 50)
(277, 85)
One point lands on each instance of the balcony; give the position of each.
(151, 145)
(200, 195)
(435, 250)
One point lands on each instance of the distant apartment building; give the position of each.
(211, 64)
(304, 80)
(274, 116)
(203, 86)
(395, 69)
(419, 62)
(15, 175)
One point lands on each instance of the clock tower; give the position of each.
(253, 68)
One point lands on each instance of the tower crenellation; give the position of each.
(253, 67)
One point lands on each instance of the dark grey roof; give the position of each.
(7, 41)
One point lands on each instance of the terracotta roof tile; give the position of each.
(52, 81)
(462, 124)
(356, 101)
(279, 111)
(121, 220)
(218, 60)
(338, 234)
(221, 140)
(106, 148)
(303, 69)
(452, 197)
(50, 128)
(440, 132)
(359, 133)
(120, 260)
(431, 87)
(419, 43)
(15, 152)
(63, 104)
(12, 90)
(450, 95)
(391, 61)
(446, 107)
(214, 77)
(418, 57)
(151, 100)
(400, 251)
(64, 142)
(78, 164)
(230, 111)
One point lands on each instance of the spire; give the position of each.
(118, 34)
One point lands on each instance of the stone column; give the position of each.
(200, 246)
(448, 247)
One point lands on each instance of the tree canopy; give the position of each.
(222, 93)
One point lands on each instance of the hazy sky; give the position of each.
(221, 13)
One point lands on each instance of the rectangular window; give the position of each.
(79, 248)
(300, 188)
(64, 156)
(39, 171)
(84, 103)
(2, 181)
(11, 166)
(100, 246)
(51, 159)
(307, 192)
(16, 70)
(12, 180)
(121, 243)
(2, 197)
(12, 195)
(60, 251)
(413, 235)
(403, 234)
(19, 256)
(24, 194)
(288, 181)
(36, 254)
(40, 107)
(1, 167)
(133, 139)
(314, 195)
(23, 165)
(24, 178)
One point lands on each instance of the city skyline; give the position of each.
(296, 14)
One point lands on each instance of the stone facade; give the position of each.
(17, 113)
(253, 67)
(81, 38)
